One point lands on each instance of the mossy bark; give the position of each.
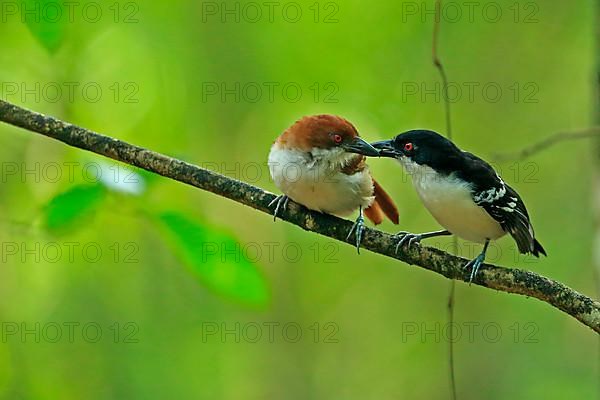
(508, 280)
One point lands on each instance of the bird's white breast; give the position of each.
(315, 180)
(450, 201)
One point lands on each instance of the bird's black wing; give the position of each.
(502, 203)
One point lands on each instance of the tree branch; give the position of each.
(549, 142)
(503, 279)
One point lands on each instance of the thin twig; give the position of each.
(526, 283)
(596, 175)
(592, 132)
(437, 62)
(451, 307)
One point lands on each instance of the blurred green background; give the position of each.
(199, 297)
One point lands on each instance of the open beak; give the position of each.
(386, 148)
(359, 146)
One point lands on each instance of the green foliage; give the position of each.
(373, 67)
(68, 209)
(216, 259)
(49, 24)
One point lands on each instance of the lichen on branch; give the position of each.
(509, 280)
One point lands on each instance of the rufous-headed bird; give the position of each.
(320, 162)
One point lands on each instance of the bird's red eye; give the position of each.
(408, 147)
(337, 138)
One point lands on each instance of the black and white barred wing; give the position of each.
(504, 204)
(508, 209)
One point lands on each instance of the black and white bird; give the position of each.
(462, 192)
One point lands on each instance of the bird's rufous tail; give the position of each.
(382, 205)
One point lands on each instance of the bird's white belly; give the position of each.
(450, 202)
(318, 186)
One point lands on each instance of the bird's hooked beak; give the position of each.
(359, 146)
(386, 148)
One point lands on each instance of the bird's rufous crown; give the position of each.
(317, 131)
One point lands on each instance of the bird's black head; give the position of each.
(422, 147)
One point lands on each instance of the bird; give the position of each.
(320, 162)
(462, 192)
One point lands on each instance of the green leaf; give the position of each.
(47, 20)
(68, 209)
(217, 260)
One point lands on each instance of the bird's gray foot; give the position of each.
(358, 229)
(474, 265)
(407, 238)
(282, 202)
(476, 262)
